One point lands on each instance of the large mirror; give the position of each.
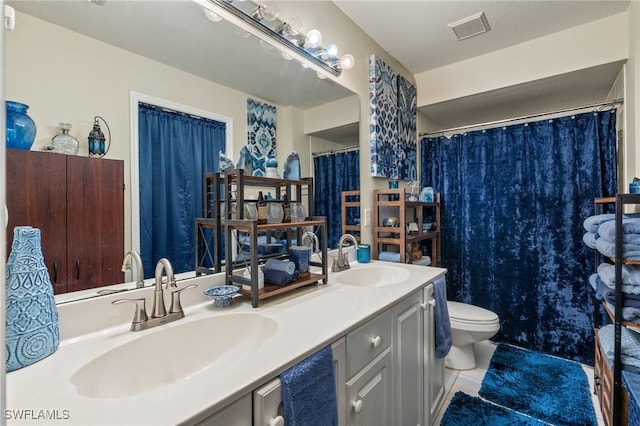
(72, 60)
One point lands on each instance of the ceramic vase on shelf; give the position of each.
(21, 130)
(32, 316)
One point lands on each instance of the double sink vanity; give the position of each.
(219, 366)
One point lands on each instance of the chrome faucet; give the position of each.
(126, 266)
(341, 263)
(314, 243)
(159, 314)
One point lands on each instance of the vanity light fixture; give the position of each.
(98, 144)
(263, 19)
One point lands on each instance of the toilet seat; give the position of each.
(463, 313)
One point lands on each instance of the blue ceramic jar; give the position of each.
(21, 130)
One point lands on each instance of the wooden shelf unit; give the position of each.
(608, 384)
(384, 236)
(234, 184)
(348, 202)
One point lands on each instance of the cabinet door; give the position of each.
(95, 222)
(408, 361)
(235, 414)
(36, 196)
(434, 367)
(370, 394)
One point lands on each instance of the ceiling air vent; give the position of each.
(470, 26)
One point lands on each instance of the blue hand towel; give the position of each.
(309, 391)
(441, 315)
(273, 276)
(280, 265)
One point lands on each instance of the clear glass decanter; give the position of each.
(65, 143)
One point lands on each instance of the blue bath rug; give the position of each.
(473, 411)
(550, 389)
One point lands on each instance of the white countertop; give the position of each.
(307, 319)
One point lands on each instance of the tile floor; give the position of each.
(469, 381)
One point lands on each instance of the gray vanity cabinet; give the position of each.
(385, 371)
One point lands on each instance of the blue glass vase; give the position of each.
(32, 316)
(21, 130)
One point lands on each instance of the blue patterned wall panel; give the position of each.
(261, 141)
(383, 104)
(405, 150)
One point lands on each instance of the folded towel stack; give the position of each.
(279, 272)
(629, 313)
(601, 235)
(630, 345)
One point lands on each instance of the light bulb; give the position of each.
(330, 52)
(266, 12)
(214, 17)
(314, 39)
(347, 62)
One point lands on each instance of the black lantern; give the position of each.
(98, 145)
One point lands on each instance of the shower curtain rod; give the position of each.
(335, 151)
(524, 117)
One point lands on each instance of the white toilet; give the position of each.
(469, 324)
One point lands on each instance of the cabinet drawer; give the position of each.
(368, 341)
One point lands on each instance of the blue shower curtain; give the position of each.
(175, 150)
(333, 174)
(514, 200)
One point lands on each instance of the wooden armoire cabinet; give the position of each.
(78, 205)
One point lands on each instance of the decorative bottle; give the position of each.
(286, 206)
(32, 316)
(65, 143)
(262, 209)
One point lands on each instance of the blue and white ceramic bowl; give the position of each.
(221, 294)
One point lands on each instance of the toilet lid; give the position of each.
(466, 312)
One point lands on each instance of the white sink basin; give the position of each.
(373, 276)
(172, 353)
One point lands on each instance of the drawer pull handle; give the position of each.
(357, 406)
(277, 421)
(431, 302)
(376, 341)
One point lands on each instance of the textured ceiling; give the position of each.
(416, 32)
